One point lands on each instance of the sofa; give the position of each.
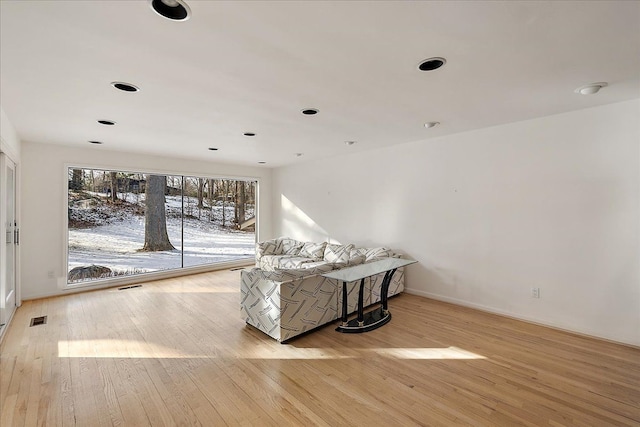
(285, 295)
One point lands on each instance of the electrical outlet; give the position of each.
(535, 292)
(50, 274)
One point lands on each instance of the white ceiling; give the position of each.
(243, 66)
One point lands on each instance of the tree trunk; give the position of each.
(241, 216)
(76, 180)
(235, 204)
(114, 186)
(225, 190)
(155, 221)
(200, 193)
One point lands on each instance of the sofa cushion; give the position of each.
(337, 253)
(271, 262)
(312, 250)
(286, 274)
(294, 262)
(356, 260)
(313, 264)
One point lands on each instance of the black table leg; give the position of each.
(384, 290)
(345, 309)
(361, 303)
(371, 320)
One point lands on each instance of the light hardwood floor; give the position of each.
(175, 352)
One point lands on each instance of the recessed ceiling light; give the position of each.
(432, 64)
(107, 122)
(175, 10)
(262, 162)
(310, 111)
(213, 149)
(591, 88)
(249, 134)
(126, 87)
(350, 142)
(95, 142)
(429, 125)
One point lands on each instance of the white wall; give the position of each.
(552, 203)
(9, 141)
(44, 205)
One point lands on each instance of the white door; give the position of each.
(10, 237)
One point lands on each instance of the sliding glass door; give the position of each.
(219, 220)
(126, 223)
(10, 239)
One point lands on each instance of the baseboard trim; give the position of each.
(514, 316)
(141, 278)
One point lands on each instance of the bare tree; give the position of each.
(114, 186)
(200, 193)
(225, 191)
(241, 203)
(155, 220)
(76, 180)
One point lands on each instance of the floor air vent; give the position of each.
(36, 321)
(129, 287)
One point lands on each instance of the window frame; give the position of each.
(63, 283)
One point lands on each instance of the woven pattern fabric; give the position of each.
(372, 254)
(289, 246)
(337, 253)
(268, 247)
(378, 253)
(357, 260)
(313, 264)
(271, 262)
(313, 250)
(284, 274)
(284, 310)
(294, 262)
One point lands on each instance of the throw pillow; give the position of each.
(378, 253)
(268, 247)
(312, 250)
(290, 246)
(337, 253)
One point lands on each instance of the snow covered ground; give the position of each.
(117, 241)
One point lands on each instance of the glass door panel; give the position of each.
(121, 224)
(8, 280)
(219, 220)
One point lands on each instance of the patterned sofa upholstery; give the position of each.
(285, 302)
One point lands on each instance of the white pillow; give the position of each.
(290, 246)
(337, 253)
(312, 250)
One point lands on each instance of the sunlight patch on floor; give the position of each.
(132, 349)
(428, 353)
(287, 353)
(121, 349)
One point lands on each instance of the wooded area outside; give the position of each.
(123, 223)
